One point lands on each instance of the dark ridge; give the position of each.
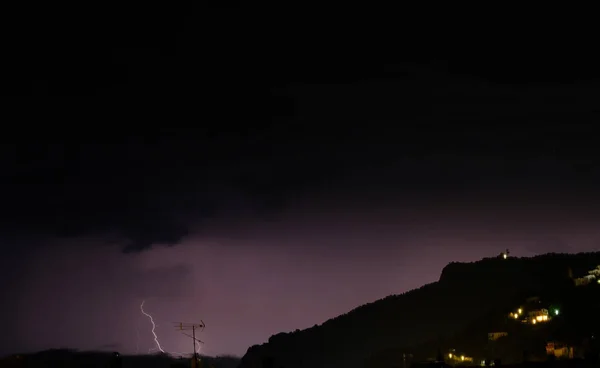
(468, 301)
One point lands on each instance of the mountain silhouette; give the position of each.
(469, 301)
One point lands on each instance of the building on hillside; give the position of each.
(493, 336)
(454, 358)
(517, 313)
(595, 272)
(559, 350)
(538, 315)
(585, 280)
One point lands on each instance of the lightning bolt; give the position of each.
(153, 327)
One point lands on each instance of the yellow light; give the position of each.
(462, 357)
(539, 318)
(516, 315)
(533, 321)
(520, 311)
(544, 318)
(450, 355)
(504, 255)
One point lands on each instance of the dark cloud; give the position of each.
(345, 144)
(276, 116)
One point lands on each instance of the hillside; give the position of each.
(468, 300)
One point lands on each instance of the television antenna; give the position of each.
(185, 326)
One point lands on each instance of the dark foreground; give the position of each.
(567, 363)
(72, 359)
(573, 363)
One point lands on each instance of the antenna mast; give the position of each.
(184, 326)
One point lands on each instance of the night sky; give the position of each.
(265, 173)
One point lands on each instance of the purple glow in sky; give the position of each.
(271, 277)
